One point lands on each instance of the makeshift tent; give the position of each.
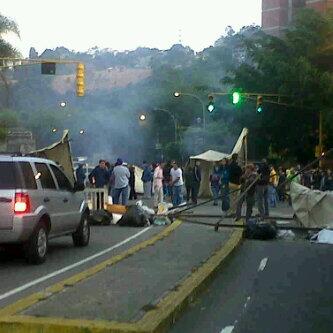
(208, 158)
(313, 208)
(59, 152)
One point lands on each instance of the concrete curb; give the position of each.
(157, 320)
(170, 308)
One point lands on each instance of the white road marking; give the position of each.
(262, 265)
(67, 268)
(227, 329)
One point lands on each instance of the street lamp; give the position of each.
(81, 131)
(54, 130)
(63, 104)
(178, 94)
(142, 117)
(172, 116)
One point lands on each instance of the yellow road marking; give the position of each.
(155, 321)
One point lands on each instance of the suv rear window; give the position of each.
(45, 176)
(28, 176)
(8, 175)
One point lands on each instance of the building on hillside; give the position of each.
(277, 14)
(19, 140)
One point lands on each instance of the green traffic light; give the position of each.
(210, 107)
(236, 97)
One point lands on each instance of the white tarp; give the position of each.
(208, 158)
(312, 207)
(138, 181)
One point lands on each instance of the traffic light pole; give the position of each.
(18, 62)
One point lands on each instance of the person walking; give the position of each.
(177, 183)
(224, 187)
(327, 181)
(262, 189)
(158, 184)
(273, 183)
(192, 182)
(235, 172)
(131, 183)
(215, 182)
(121, 181)
(281, 188)
(80, 175)
(250, 176)
(147, 177)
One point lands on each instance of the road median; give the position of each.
(144, 292)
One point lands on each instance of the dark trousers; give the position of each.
(192, 193)
(262, 197)
(133, 194)
(250, 200)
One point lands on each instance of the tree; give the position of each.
(6, 49)
(288, 66)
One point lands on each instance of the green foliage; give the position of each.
(7, 120)
(289, 67)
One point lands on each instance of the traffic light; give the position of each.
(236, 97)
(48, 68)
(80, 80)
(211, 104)
(259, 104)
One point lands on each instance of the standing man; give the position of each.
(262, 189)
(235, 172)
(80, 175)
(250, 176)
(177, 183)
(121, 180)
(147, 178)
(133, 194)
(99, 178)
(158, 184)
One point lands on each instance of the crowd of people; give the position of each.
(255, 183)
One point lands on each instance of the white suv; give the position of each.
(38, 202)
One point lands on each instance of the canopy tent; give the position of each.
(312, 207)
(208, 158)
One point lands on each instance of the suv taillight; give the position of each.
(22, 203)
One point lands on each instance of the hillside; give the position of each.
(118, 77)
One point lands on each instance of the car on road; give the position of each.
(38, 202)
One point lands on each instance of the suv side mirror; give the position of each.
(78, 187)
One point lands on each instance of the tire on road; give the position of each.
(37, 246)
(81, 236)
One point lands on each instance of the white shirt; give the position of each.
(177, 174)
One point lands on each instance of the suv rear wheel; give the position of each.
(36, 248)
(82, 235)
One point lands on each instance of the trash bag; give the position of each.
(100, 217)
(260, 230)
(134, 217)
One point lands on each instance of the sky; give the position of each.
(125, 24)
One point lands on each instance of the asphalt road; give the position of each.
(267, 286)
(19, 278)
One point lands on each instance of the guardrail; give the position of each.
(96, 198)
